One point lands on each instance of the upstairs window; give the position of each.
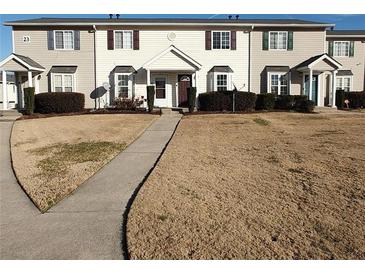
(341, 48)
(123, 39)
(221, 39)
(64, 39)
(278, 40)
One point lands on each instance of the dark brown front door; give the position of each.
(184, 83)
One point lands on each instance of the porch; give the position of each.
(25, 72)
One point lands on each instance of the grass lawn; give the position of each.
(255, 186)
(53, 156)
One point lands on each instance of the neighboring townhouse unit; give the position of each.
(348, 47)
(108, 58)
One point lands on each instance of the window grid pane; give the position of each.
(127, 40)
(123, 87)
(222, 80)
(341, 48)
(216, 40)
(59, 39)
(347, 83)
(278, 40)
(68, 40)
(118, 39)
(338, 83)
(225, 40)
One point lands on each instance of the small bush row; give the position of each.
(223, 101)
(352, 99)
(59, 102)
(248, 101)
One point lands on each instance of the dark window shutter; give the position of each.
(50, 40)
(265, 40)
(330, 48)
(352, 48)
(110, 39)
(136, 39)
(77, 39)
(290, 40)
(233, 40)
(208, 40)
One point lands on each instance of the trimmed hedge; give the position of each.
(223, 101)
(59, 102)
(124, 104)
(305, 106)
(191, 98)
(265, 101)
(356, 99)
(29, 100)
(150, 97)
(289, 102)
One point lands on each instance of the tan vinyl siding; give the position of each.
(37, 49)
(153, 41)
(307, 43)
(356, 63)
(13, 65)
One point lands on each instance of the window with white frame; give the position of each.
(341, 48)
(123, 39)
(343, 83)
(63, 82)
(278, 39)
(222, 82)
(64, 39)
(122, 85)
(221, 39)
(278, 83)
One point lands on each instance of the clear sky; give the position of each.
(345, 21)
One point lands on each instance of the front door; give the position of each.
(314, 94)
(184, 82)
(160, 91)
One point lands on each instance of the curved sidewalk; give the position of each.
(85, 225)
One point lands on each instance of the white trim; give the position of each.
(63, 31)
(230, 39)
(5, 90)
(319, 86)
(229, 80)
(63, 87)
(13, 41)
(286, 42)
(345, 36)
(281, 73)
(13, 56)
(162, 102)
(123, 31)
(176, 50)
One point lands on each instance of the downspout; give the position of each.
(249, 58)
(94, 28)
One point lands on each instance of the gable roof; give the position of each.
(186, 58)
(26, 61)
(165, 21)
(345, 33)
(226, 69)
(315, 59)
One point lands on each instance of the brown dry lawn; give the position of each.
(255, 186)
(53, 156)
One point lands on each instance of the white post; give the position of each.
(30, 80)
(148, 77)
(5, 91)
(310, 83)
(193, 80)
(36, 84)
(334, 88)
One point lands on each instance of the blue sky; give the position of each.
(345, 21)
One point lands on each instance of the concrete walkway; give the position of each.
(85, 225)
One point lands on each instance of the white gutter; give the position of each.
(345, 36)
(167, 24)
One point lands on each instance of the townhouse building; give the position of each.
(109, 58)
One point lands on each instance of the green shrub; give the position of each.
(340, 99)
(223, 101)
(29, 100)
(265, 101)
(150, 97)
(284, 102)
(59, 102)
(305, 106)
(191, 98)
(124, 104)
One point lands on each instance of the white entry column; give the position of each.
(5, 91)
(30, 79)
(148, 77)
(310, 83)
(334, 88)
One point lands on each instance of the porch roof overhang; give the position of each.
(344, 73)
(63, 69)
(226, 69)
(28, 63)
(124, 69)
(179, 54)
(277, 68)
(311, 62)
